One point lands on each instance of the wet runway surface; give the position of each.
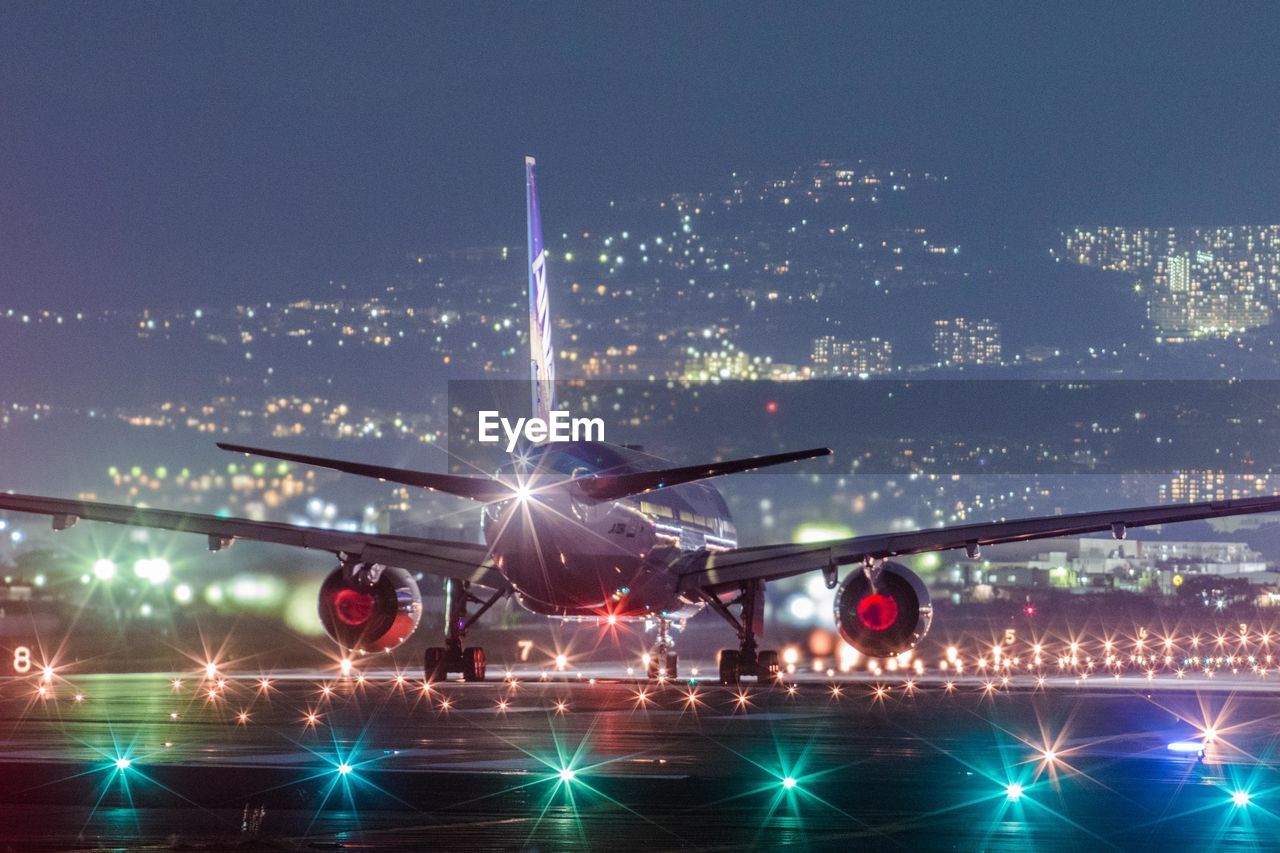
(568, 763)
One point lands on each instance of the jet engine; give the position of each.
(370, 608)
(883, 611)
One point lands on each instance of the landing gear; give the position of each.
(440, 662)
(663, 661)
(745, 660)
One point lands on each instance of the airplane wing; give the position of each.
(711, 571)
(437, 557)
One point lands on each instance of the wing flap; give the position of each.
(772, 562)
(437, 557)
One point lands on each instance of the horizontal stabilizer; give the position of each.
(612, 487)
(484, 489)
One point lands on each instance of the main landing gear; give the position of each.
(442, 661)
(746, 660)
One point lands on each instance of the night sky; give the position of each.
(180, 153)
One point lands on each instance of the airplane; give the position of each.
(592, 530)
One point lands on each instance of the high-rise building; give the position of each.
(1179, 273)
(962, 341)
(832, 357)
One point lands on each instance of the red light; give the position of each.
(353, 607)
(771, 407)
(1030, 610)
(878, 612)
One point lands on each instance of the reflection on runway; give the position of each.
(571, 760)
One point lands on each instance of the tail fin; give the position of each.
(542, 354)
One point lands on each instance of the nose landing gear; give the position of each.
(663, 661)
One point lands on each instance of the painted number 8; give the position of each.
(22, 660)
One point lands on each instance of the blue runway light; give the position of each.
(1240, 798)
(344, 769)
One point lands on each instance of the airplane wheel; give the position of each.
(767, 665)
(435, 664)
(729, 669)
(473, 664)
(667, 669)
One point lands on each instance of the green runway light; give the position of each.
(1013, 791)
(789, 782)
(1240, 798)
(567, 775)
(123, 763)
(344, 769)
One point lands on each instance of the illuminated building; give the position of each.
(1203, 282)
(961, 341)
(832, 357)
(1102, 563)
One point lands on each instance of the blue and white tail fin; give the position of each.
(542, 358)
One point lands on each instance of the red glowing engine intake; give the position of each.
(884, 618)
(370, 617)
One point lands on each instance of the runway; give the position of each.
(585, 762)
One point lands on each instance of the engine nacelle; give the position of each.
(884, 618)
(368, 616)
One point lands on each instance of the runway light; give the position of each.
(562, 661)
(344, 769)
(345, 666)
(123, 763)
(789, 782)
(1240, 798)
(567, 775)
(104, 570)
(1013, 791)
(210, 670)
(1186, 746)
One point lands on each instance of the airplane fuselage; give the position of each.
(568, 556)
